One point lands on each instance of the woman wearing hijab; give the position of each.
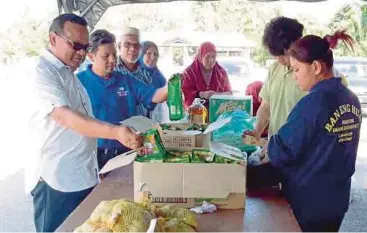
(316, 148)
(148, 61)
(254, 89)
(204, 77)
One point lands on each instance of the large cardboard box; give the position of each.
(219, 104)
(187, 184)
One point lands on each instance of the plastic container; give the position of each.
(198, 114)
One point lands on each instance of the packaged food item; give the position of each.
(229, 159)
(198, 113)
(128, 216)
(174, 100)
(185, 215)
(202, 156)
(154, 150)
(178, 157)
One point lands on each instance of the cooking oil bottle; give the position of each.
(198, 114)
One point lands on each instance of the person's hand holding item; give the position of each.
(128, 138)
(264, 157)
(251, 141)
(206, 94)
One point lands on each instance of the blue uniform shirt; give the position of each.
(139, 74)
(115, 99)
(316, 150)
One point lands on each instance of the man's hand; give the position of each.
(129, 138)
(206, 94)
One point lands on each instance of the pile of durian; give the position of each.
(128, 216)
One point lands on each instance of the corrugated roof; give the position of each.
(93, 10)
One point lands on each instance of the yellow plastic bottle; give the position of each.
(198, 114)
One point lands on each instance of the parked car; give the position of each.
(242, 72)
(355, 69)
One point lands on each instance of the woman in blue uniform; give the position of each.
(317, 147)
(114, 96)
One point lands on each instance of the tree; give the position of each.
(352, 17)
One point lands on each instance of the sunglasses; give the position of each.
(77, 46)
(131, 45)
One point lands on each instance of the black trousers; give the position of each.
(325, 225)
(52, 207)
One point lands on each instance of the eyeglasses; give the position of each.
(77, 46)
(131, 45)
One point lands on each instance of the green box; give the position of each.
(219, 104)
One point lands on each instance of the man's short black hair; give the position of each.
(280, 33)
(58, 23)
(100, 37)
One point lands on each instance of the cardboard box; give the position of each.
(189, 184)
(183, 138)
(219, 104)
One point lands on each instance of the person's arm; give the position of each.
(83, 124)
(263, 117)
(52, 102)
(227, 84)
(189, 88)
(147, 94)
(93, 128)
(160, 95)
(296, 134)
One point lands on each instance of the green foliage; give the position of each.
(27, 36)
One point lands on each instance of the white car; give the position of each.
(355, 69)
(242, 72)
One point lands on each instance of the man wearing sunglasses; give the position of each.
(62, 129)
(127, 63)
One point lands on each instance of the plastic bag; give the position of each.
(231, 134)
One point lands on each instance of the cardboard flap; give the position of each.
(213, 180)
(224, 150)
(217, 125)
(184, 133)
(119, 161)
(140, 124)
(154, 177)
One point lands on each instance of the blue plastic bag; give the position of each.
(231, 134)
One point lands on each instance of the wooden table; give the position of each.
(264, 212)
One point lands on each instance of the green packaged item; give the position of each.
(220, 159)
(235, 159)
(178, 157)
(174, 100)
(154, 150)
(202, 156)
(200, 127)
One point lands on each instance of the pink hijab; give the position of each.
(254, 90)
(193, 77)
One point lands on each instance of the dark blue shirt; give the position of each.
(115, 99)
(317, 147)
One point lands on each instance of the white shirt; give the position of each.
(65, 159)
